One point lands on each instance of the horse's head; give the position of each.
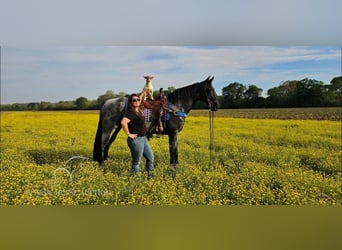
(210, 94)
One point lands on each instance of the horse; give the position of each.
(179, 104)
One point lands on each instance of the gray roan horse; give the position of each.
(181, 100)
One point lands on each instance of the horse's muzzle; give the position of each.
(214, 106)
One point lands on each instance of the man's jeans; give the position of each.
(140, 147)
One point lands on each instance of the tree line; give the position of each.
(81, 103)
(292, 93)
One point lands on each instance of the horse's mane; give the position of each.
(184, 93)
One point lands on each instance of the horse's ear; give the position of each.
(210, 79)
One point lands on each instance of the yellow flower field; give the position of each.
(255, 161)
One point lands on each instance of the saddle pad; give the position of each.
(147, 115)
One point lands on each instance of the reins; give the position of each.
(211, 137)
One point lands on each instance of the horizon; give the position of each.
(122, 92)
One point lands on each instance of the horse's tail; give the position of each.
(97, 150)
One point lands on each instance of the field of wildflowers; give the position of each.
(255, 161)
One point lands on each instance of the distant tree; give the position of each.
(309, 93)
(252, 92)
(233, 95)
(44, 105)
(121, 94)
(333, 93)
(81, 102)
(108, 95)
(93, 104)
(33, 106)
(64, 105)
(336, 83)
(273, 99)
(167, 91)
(252, 96)
(170, 89)
(282, 95)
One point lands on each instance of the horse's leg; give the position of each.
(97, 150)
(173, 147)
(111, 140)
(109, 128)
(105, 135)
(105, 140)
(150, 130)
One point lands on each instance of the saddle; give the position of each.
(157, 109)
(159, 113)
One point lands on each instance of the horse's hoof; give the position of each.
(174, 165)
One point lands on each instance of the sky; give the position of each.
(54, 74)
(61, 50)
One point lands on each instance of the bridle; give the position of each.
(210, 100)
